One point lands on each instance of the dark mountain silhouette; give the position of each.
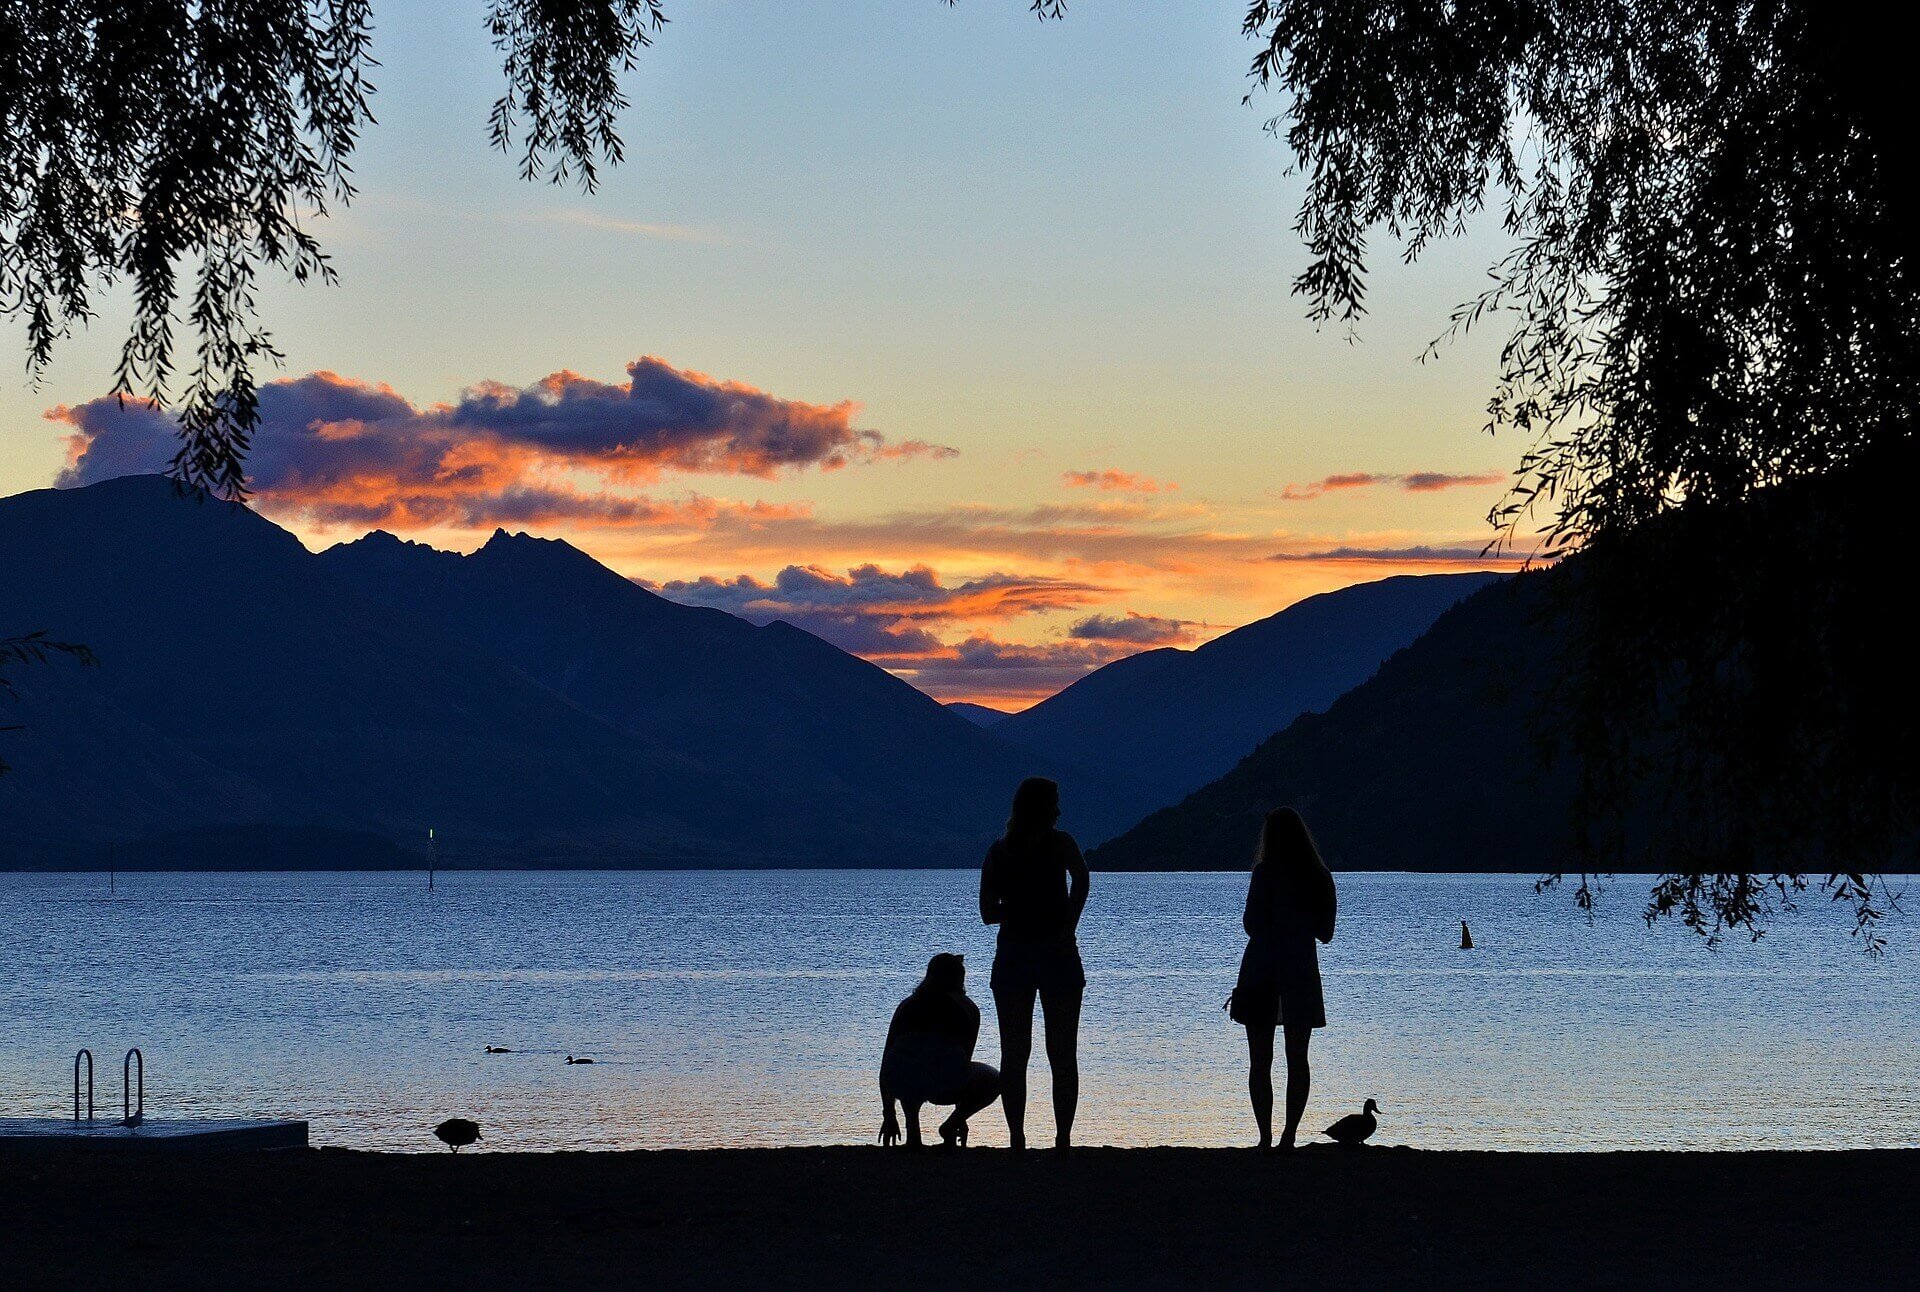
(531, 705)
(1435, 763)
(979, 715)
(240, 682)
(875, 767)
(1177, 719)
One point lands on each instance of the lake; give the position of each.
(748, 1008)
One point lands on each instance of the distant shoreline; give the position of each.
(786, 868)
(867, 1217)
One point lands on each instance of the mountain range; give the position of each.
(1442, 761)
(258, 704)
(1172, 720)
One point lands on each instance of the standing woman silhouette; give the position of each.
(1034, 886)
(1290, 904)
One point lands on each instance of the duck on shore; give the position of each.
(1354, 1129)
(456, 1133)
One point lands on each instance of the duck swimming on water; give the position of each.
(571, 1059)
(498, 1049)
(1354, 1129)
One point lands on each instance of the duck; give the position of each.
(457, 1132)
(571, 1059)
(1355, 1129)
(1466, 938)
(498, 1049)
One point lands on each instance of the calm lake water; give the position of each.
(748, 1009)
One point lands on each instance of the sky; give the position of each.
(961, 339)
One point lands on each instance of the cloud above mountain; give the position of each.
(1011, 674)
(1418, 554)
(1134, 629)
(344, 451)
(941, 636)
(1112, 481)
(1411, 482)
(882, 614)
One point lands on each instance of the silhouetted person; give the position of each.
(929, 1056)
(1034, 886)
(1290, 904)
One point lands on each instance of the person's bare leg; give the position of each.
(1260, 1078)
(911, 1107)
(1299, 1079)
(982, 1088)
(1015, 1010)
(1062, 1012)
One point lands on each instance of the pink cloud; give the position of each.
(341, 450)
(1111, 481)
(1412, 482)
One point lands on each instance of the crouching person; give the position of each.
(929, 1056)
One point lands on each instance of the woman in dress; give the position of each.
(1290, 905)
(1034, 886)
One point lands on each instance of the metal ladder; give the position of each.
(133, 1087)
(88, 1056)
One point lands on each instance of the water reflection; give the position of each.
(748, 1008)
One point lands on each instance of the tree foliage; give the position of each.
(1714, 321)
(179, 147)
(184, 147)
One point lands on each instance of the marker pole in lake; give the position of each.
(430, 859)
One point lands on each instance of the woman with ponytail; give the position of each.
(1290, 907)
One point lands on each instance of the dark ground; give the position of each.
(862, 1217)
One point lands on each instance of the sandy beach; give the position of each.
(863, 1217)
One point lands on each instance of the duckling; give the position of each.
(456, 1133)
(1355, 1129)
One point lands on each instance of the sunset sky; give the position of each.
(961, 339)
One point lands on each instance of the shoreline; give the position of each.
(862, 1216)
(745, 868)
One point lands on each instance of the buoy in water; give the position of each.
(1466, 938)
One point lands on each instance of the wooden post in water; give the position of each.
(430, 859)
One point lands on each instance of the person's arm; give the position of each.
(1254, 918)
(1082, 881)
(990, 887)
(889, 1121)
(1328, 911)
(972, 1034)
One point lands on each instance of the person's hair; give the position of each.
(945, 972)
(1036, 806)
(1286, 843)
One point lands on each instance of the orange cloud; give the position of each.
(342, 451)
(1412, 482)
(1111, 481)
(1007, 675)
(1476, 555)
(887, 616)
